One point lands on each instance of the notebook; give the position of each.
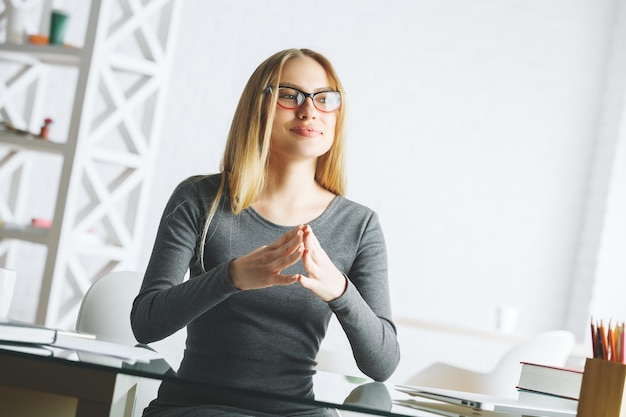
(449, 410)
(468, 399)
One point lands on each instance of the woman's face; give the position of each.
(303, 133)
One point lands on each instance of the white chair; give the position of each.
(548, 348)
(105, 308)
(105, 312)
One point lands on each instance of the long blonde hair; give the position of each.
(244, 167)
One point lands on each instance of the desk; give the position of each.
(33, 385)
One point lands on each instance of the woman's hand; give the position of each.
(324, 279)
(262, 267)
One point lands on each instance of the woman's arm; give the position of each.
(364, 310)
(165, 303)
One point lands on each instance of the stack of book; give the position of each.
(16, 332)
(40, 340)
(550, 386)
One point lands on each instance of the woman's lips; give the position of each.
(306, 131)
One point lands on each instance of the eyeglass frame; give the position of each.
(270, 89)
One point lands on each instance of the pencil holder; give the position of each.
(602, 389)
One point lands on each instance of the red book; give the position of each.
(43, 223)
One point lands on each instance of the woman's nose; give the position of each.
(307, 110)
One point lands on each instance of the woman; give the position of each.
(273, 250)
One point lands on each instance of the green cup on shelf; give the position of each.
(58, 24)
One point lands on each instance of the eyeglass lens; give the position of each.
(292, 98)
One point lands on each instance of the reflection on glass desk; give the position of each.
(68, 383)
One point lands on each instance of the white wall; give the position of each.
(471, 130)
(472, 125)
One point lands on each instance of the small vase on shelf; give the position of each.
(45, 128)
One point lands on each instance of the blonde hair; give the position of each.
(244, 167)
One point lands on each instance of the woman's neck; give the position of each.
(291, 180)
(292, 196)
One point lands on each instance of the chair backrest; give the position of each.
(548, 348)
(105, 309)
(105, 312)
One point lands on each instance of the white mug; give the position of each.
(506, 318)
(7, 286)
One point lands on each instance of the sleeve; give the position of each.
(364, 310)
(167, 303)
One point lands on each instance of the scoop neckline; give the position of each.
(313, 222)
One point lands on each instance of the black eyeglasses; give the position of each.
(292, 98)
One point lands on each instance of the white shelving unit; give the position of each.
(107, 156)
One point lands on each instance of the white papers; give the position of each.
(128, 354)
(30, 349)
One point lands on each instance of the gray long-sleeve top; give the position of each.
(266, 338)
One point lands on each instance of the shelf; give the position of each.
(49, 54)
(84, 186)
(30, 142)
(24, 232)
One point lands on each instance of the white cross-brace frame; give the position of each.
(110, 149)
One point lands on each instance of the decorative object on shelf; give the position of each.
(45, 128)
(16, 24)
(43, 134)
(58, 24)
(10, 127)
(42, 223)
(38, 39)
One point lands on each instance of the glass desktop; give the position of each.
(351, 396)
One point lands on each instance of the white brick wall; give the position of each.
(599, 267)
(609, 275)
